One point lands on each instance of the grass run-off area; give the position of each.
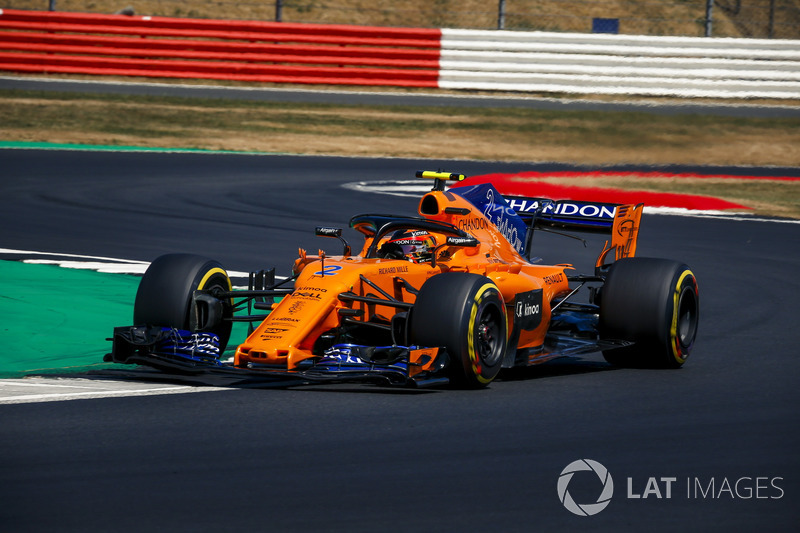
(593, 138)
(639, 17)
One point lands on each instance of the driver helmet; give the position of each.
(413, 245)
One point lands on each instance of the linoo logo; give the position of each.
(586, 509)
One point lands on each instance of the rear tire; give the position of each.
(465, 314)
(655, 304)
(165, 292)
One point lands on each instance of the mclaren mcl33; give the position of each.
(449, 296)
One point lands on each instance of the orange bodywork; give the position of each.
(288, 335)
(624, 234)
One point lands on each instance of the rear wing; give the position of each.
(514, 215)
(564, 214)
(621, 221)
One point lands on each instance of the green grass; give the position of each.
(48, 328)
(57, 320)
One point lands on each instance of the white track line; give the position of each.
(111, 265)
(16, 391)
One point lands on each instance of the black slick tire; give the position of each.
(465, 314)
(653, 303)
(165, 292)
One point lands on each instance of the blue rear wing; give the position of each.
(517, 216)
(565, 214)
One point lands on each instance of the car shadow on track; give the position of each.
(562, 366)
(238, 382)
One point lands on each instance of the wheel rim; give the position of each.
(488, 336)
(223, 329)
(687, 318)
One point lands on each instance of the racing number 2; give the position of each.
(329, 270)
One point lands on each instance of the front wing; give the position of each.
(174, 350)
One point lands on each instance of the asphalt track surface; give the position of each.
(365, 458)
(362, 97)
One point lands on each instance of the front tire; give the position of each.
(655, 304)
(165, 293)
(465, 314)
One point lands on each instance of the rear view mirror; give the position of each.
(467, 242)
(322, 231)
(336, 233)
(462, 241)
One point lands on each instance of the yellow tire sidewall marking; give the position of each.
(673, 331)
(212, 272)
(473, 356)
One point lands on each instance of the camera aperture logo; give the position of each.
(585, 509)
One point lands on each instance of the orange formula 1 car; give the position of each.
(449, 296)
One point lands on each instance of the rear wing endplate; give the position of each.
(624, 234)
